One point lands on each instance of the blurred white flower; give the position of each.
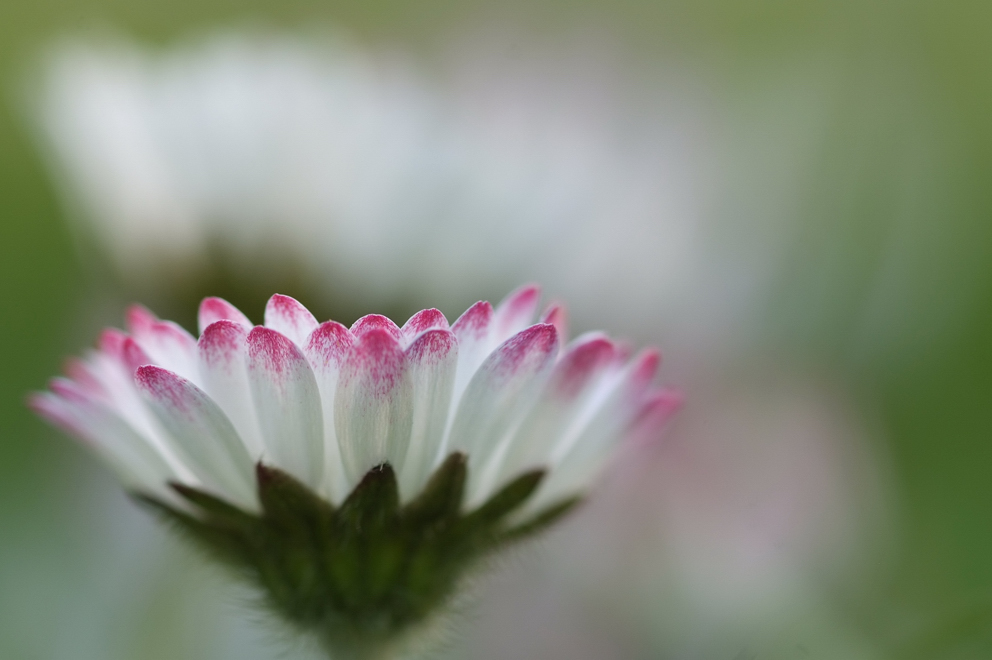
(381, 180)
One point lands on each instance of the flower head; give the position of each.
(356, 472)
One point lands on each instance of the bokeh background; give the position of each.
(792, 199)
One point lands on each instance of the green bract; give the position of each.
(363, 576)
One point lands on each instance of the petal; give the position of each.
(473, 324)
(169, 346)
(137, 463)
(221, 352)
(114, 369)
(584, 360)
(288, 317)
(111, 342)
(497, 399)
(557, 315)
(287, 401)
(373, 405)
(644, 368)
(218, 309)
(54, 409)
(326, 349)
(133, 356)
(516, 312)
(376, 322)
(563, 408)
(472, 332)
(113, 426)
(328, 346)
(654, 414)
(203, 434)
(112, 362)
(431, 361)
(609, 411)
(610, 408)
(422, 321)
(83, 375)
(576, 471)
(138, 318)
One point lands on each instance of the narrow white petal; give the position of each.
(610, 409)
(222, 350)
(376, 322)
(217, 309)
(290, 318)
(112, 366)
(557, 315)
(472, 330)
(203, 434)
(562, 406)
(373, 405)
(165, 342)
(326, 349)
(287, 400)
(431, 359)
(514, 313)
(422, 321)
(136, 461)
(497, 399)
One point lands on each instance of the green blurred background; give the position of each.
(886, 288)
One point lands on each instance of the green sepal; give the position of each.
(364, 574)
(509, 498)
(540, 522)
(373, 506)
(216, 536)
(284, 498)
(212, 506)
(441, 498)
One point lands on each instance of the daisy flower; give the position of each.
(355, 474)
(370, 168)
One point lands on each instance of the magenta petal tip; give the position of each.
(371, 322)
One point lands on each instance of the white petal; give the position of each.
(203, 434)
(472, 330)
(432, 359)
(515, 313)
(139, 318)
(497, 399)
(326, 349)
(557, 315)
(559, 411)
(222, 350)
(165, 342)
(376, 322)
(218, 309)
(135, 460)
(113, 365)
(422, 321)
(609, 411)
(290, 318)
(287, 401)
(373, 405)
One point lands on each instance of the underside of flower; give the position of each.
(362, 575)
(356, 474)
